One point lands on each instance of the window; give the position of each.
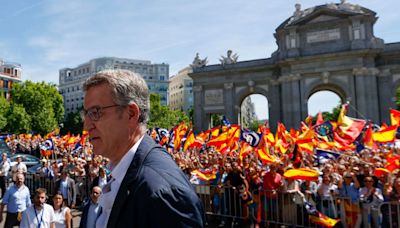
(5, 84)
(162, 78)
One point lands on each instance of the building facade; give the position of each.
(71, 79)
(10, 73)
(247, 112)
(181, 91)
(327, 47)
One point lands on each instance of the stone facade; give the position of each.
(181, 91)
(328, 47)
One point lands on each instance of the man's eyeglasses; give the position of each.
(96, 112)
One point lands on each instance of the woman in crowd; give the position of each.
(370, 198)
(326, 191)
(63, 217)
(349, 190)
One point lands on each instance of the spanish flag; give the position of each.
(348, 128)
(368, 141)
(394, 117)
(190, 139)
(386, 135)
(305, 141)
(204, 175)
(393, 162)
(302, 174)
(265, 156)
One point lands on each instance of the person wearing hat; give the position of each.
(19, 167)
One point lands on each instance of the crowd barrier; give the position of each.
(228, 206)
(82, 186)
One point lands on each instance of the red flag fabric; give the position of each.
(320, 119)
(302, 174)
(394, 117)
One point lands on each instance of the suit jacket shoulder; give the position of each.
(155, 193)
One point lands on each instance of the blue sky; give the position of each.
(45, 36)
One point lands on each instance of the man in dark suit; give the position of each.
(91, 210)
(147, 189)
(66, 186)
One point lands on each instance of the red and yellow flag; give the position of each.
(302, 174)
(394, 117)
(386, 135)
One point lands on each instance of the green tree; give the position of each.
(398, 98)
(73, 123)
(331, 116)
(18, 121)
(4, 106)
(162, 116)
(42, 103)
(254, 124)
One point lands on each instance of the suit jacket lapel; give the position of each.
(126, 186)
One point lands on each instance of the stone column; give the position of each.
(291, 100)
(366, 91)
(229, 102)
(387, 97)
(200, 120)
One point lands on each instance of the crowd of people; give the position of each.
(246, 172)
(361, 177)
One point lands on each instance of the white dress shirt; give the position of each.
(106, 199)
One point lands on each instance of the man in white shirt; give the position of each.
(40, 214)
(20, 167)
(147, 188)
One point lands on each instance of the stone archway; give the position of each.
(254, 109)
(323, 101)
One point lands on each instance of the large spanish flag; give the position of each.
(386, 135)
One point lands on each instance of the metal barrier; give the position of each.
(82, 186)
(390, 214)
(268, 208)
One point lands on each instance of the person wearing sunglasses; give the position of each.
(147, 188)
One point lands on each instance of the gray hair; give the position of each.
(127, 88)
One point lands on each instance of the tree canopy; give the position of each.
(162, 116)
(36, 107)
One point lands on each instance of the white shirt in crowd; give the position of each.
(18, 168)
(31, 218)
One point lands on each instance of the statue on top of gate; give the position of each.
(229, 59)
(197, 62)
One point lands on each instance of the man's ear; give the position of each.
(133, 111)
